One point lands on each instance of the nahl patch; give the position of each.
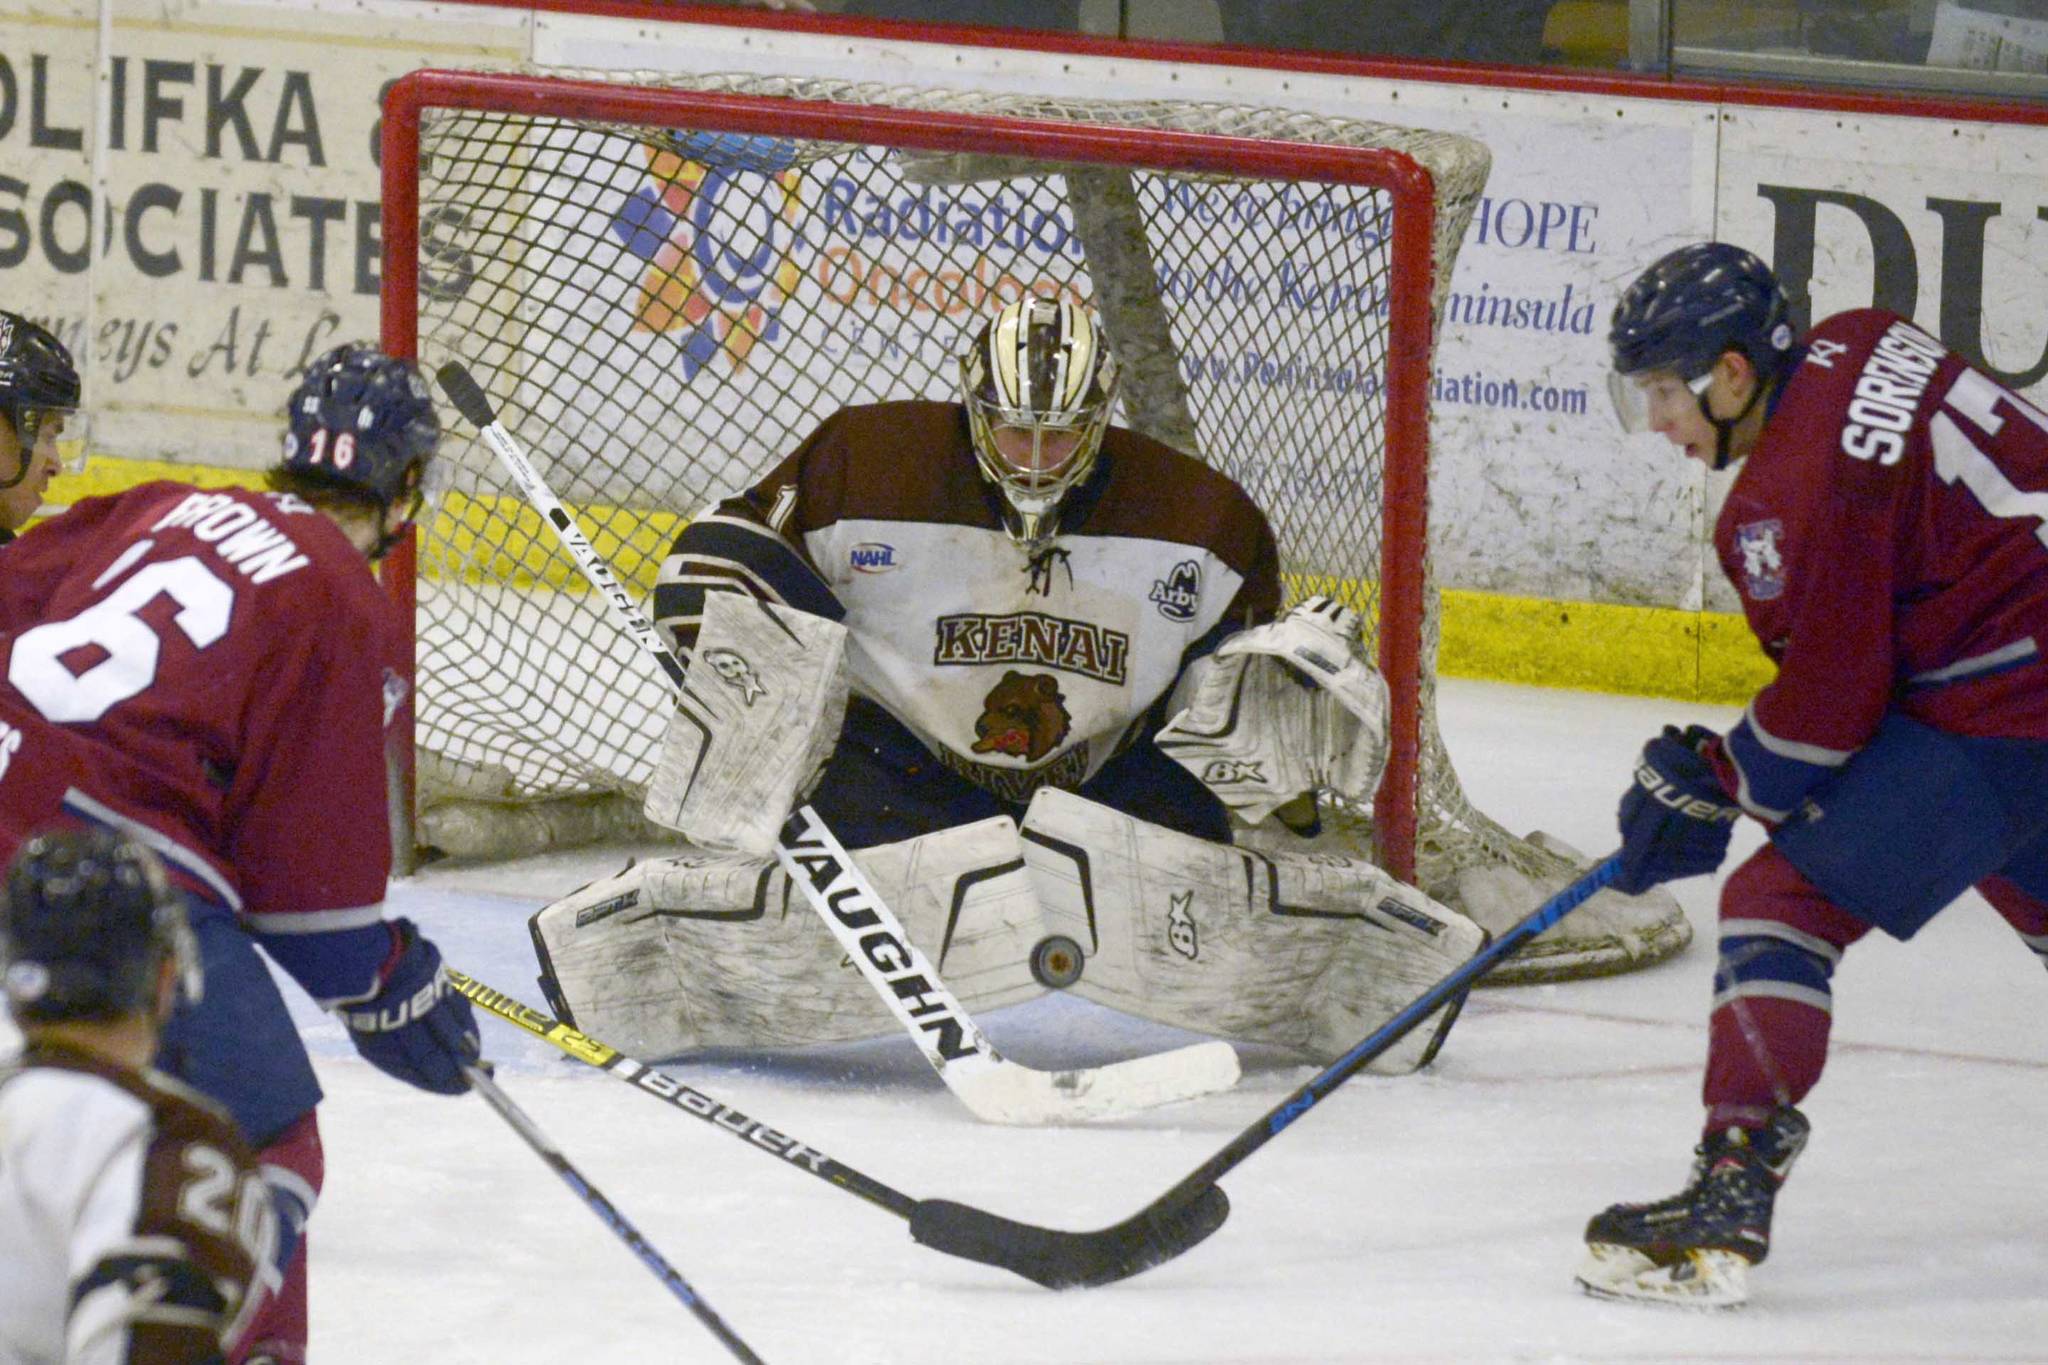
(872, 556)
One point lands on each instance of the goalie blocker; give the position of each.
(1309, 953)
(758, 720)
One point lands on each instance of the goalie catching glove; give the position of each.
(1283, 709)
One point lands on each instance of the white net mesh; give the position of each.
(662, 312)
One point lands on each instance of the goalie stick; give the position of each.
(480, 1081)
(993, 1087)
(1057, 1260)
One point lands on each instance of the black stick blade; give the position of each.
(466, 394)
(1070, 1260)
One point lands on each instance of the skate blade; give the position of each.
(1699, 1279)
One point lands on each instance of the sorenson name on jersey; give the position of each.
(1888, 390)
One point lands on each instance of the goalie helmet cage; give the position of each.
(667, 282)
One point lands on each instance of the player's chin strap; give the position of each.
(25, 423)
(1724, 432)
(391, 535)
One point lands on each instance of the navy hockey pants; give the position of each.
(883, 786)
(1917, 817)
(237, 1045)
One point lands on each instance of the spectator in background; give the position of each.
(1451, 30)
(1063, 16)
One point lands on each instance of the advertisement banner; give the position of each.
(1533, 490)
(237, 164)
(238, 167)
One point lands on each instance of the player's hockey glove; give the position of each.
(416, 1027)
(1676, 817)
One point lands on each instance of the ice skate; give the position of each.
(1695, 1248)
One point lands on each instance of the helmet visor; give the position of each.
(1652, 400)
(58, 431)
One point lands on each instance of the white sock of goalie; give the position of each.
(1306, 952)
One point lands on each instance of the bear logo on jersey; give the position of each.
(1023, 716)
(1180, 592)
(1763, 558)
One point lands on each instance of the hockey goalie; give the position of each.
(1031, 666)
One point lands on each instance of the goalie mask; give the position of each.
(1038, 383)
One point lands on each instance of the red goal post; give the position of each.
(666, 282)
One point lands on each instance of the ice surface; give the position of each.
(1432, 1218)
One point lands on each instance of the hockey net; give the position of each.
(668, 282)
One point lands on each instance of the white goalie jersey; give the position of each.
(1018, 671)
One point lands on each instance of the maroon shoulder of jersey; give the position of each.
(910, 460)
(1885, 539)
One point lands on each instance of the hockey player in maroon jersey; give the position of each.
(942, 621)
(1888, 534)
(209, 672)
(38, 395)
(134, 1216)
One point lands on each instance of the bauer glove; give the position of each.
(1676, 817)
(416, 1027)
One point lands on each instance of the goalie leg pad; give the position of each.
(715, 950)
(758, 719)
(1308, 953)
(1610, 933)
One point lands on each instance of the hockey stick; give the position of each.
(1145, 1239)
(480, 1080)
(994, 1088)
(1044, 1257)
(1170, 1225)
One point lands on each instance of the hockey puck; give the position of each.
(1057, 961)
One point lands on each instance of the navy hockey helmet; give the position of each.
(89, 916)
(362, 422)
(1684, 312)
(37, 378)
(1038, 382)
